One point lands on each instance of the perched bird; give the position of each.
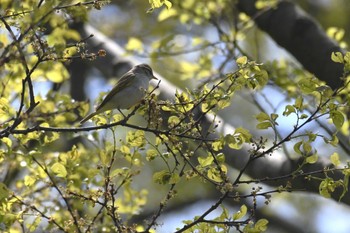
(129, 90)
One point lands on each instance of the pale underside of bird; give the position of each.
(130, 89)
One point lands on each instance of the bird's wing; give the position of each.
(125, 81)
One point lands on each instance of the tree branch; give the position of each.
(273, 165)
(291, 28)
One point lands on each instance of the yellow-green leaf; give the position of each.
(299, 102)
(335, 159)
(29, 180)
(58, 73)
(7, 142)
(173, 120)
(337, 57)
(261, 225)
(296, 147)
(136, 138)
(244, 133)
(262, 117)
(264, 125)
(312, 159)
(337, 118)
(168, 4)
(242, 61)
(33, 225)
(205, 161)
(217, 145)
(307, 147)
(155, 3)
(241, 213)
(59, 170)
(134, 44)
(166, 14)
(161, 177)
(125, 149)
(336, 33)
(4, 192)
(215, 175)
(151, 154)
(288, 110)
(174, 178)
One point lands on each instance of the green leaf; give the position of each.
(32, 226)
(151, 154)
(312, 136)
(297, 146)
(261, 225)
(307, 147)
(288, 110)
(312, 159)
(326, 187)
(51, 136)
(223, 103)
(264, 125)
(240, 136)
(7, 142)
(217, 145)
(325, 91)
(174, 178)
(156, 3)
(136, 138)
(262, 77)
(205, 161)
(125, 149)
(215, 175)
(337, 57)
(162, 177)
(337, 118)
(120, 172)
(59, 170)
(308, 85)
(173, 120)
(274, 117)
(29, 180)
(231, 141)
(4, 192)
(220, 157)
(335, 159)
(205, 107)
(168, 4)
(57, 73)
(167, 108)
(244, 133)
(166, 14)
(299, 103)
(334, 141)
(262, 117)
(241, 213)
(134, 44)
(336, 33)
(346, 173)
(242, 61)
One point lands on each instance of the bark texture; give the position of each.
(291, 28)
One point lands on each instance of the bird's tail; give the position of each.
(88, 117)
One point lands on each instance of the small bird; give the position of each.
(129, 90)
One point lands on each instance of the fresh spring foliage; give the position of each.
(124, 173)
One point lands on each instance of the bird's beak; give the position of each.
(153, 77)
